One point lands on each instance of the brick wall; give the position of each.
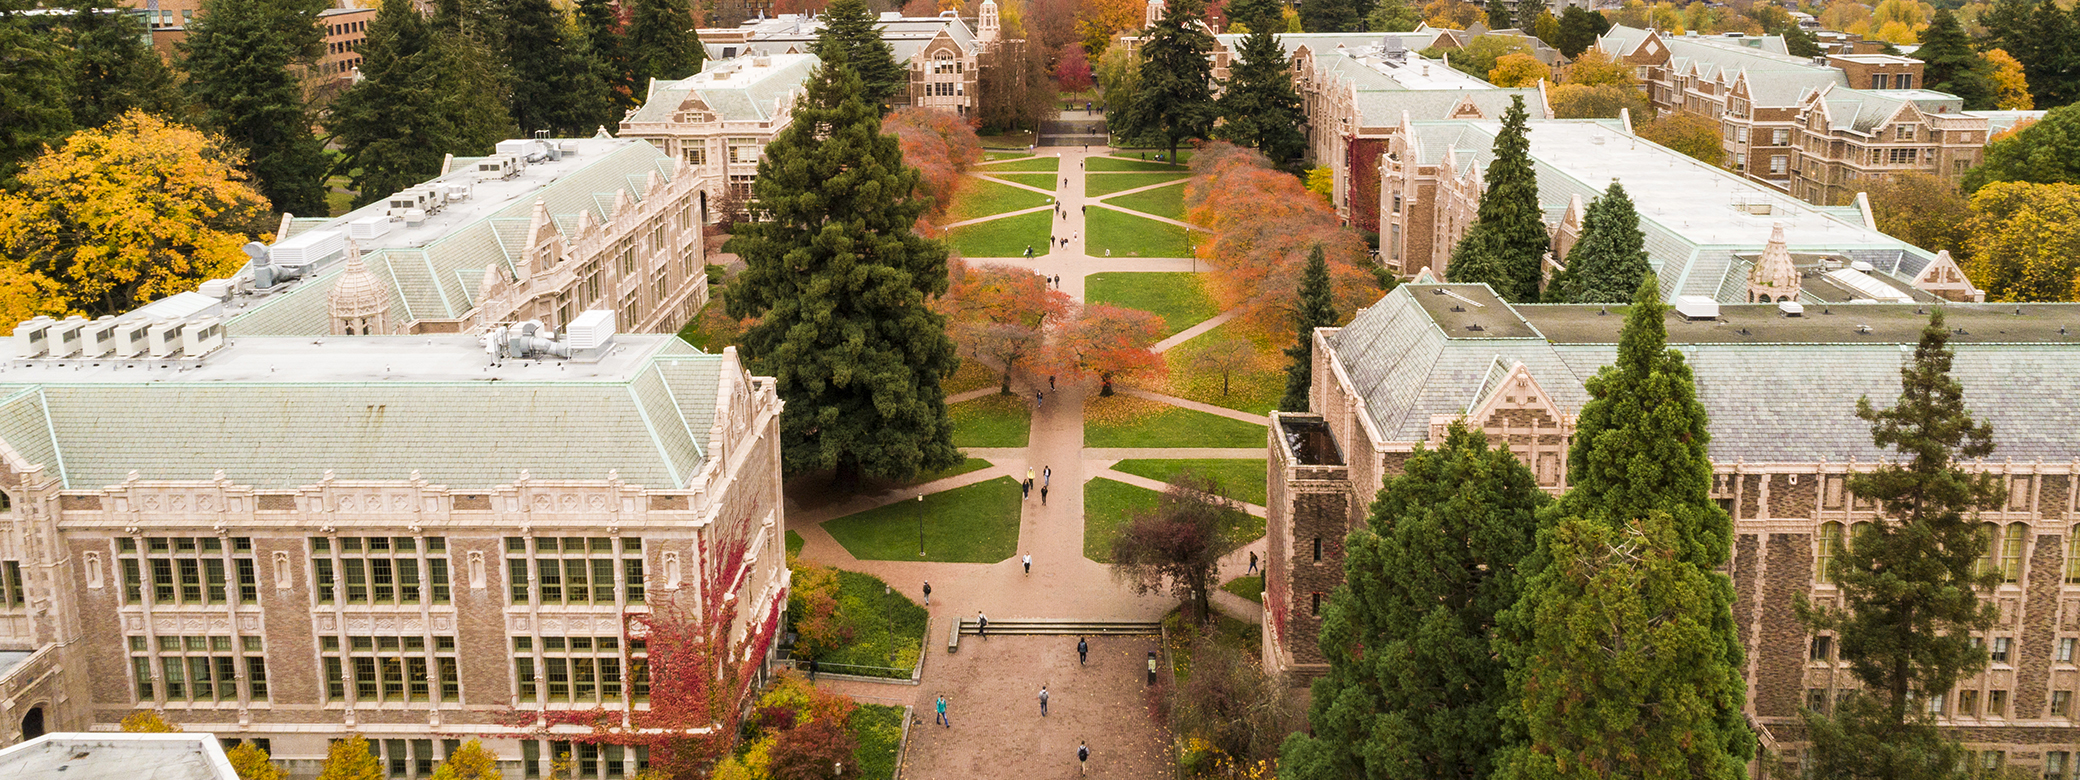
(1780, 649)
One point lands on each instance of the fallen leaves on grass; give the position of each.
(1120, 410)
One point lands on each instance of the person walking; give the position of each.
(1083, 757)
(1039, 400)
(1043, 701)
(1050, 377)
(928, 593)
(1043, 495)
(1029, 559)
(1046, 475)
(981, 624)
(1252, 562)
(942, 721)
(1083, 651)
(1025, 489)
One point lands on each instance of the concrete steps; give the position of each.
(1036, 627)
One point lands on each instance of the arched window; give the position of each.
(2011, 552)
(1830, 542)
(1987, 538)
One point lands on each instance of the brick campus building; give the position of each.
(1781, 391)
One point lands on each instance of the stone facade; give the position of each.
(415, 613)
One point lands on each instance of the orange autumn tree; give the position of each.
(1264, 222)
(1108, 342)
(123, 215)
(999, 314)
(939, 145)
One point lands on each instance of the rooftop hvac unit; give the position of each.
(32, 338)
(368, 228)
(1791, 309)
(513, 147)
(164, 339)
(98, 338)
(568, 146)
(591, 330)
(64, 337)
(201, 337)
(408, 200)
(313, 246)
(1697, 307)
(414, 217)
(131, 337)
(497, 168)
(219, 289)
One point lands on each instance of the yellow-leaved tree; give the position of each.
(349, 759)
(1595, 67)
(1518, 70)
(2010, 87)
(147, 722)
(469, 762)
(121, 215)
(252, 763)
(2025, 241)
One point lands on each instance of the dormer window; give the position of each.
(1903, 133)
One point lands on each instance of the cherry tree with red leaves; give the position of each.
(1109, 342)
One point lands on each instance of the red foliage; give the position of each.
(1264, 223)
(999, 293)
(937, 144)
(1073, 70)
(1108, 341)
(800, 6)
(817, 750)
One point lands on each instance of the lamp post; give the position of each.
(920, 527)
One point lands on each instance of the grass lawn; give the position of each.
(795, 543)
(972, 375)
(1127, 235)
(973, 524)
(1178, 297)
(1250, 587)
(339, 195)
(1021, 164)
(1221, 630)
(1172, 427)
(1045, 181)
(1117, 164)
(1109, 504)
(1161, 201)
(1239, 479)
(1007, 237)
(1255, 386)
(887, 628)
(965, 466)
(982, 197)
(878, 730)
(1013, 141)
(1009, 154)
(1102, 184)
(991, 421)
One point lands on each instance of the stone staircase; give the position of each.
(1040, 627)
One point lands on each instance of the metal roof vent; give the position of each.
(1791, 309)
(1697, 307)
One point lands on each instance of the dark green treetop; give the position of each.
(1330, 16)
(1609, 259)
(114, 70)
(1316, 309)
(851, 35)
(1507, 243)
(1950, 63)
(557, 83)
(1260, 108)
(241, 64)
(839, 283)
(1174, 100)
(662, 43)
(601, 21)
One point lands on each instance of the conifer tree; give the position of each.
(1499, 15)
(1910, 605)
(32, 89)
(1260, 108)
(113, 70)
(662, 43)
(557, 84)
(1623, 653)
(1393, 16)
(850, 35)
(840, 284)
(1609, 260)
(1329, 16)
(1256, 15)
(1506, 245)
(1175, 98)
(601, 21)
(2048, 55)
(1951, 65)
(1317, 309)
(1579, 29)
(422, 97)
(242, 58)
(1414, 685)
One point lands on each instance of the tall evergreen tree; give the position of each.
(1500, 15)
(32, 90)
(1623, 652)
(243, 57)
(1316, 310)
(1910, 584)
(422, 97)
(1800, 43)
(1579, 29)
(1175, 99)
(1330, 16)
(1260, 108)
(1414, 686)
(1951, 65)
(114, 70)
(851, 35)
(662, 43)
(2047, 53)
(1609, 260)
(1506, 245)
(1256, 15)
(601, 21)
(840, 284)
(557, 84)
(1393, 16)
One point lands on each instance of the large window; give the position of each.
(198, 668)
(188, 570)
(744, 151)
(380, 569)
(581, 669)
(1829, 544)
(381, 669)
(575, 570)
(2012, 544)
